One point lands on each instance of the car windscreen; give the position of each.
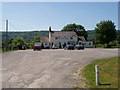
(79, 45)
(36, 45)
(69, 45)
(46, 45)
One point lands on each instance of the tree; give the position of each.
(42, 46)
(52, 43)
(18, 42)
(60, 45)
(68, 42)
(105, 32)
(79, 29)
(32, 44)
(37, 39)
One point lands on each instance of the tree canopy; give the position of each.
(37, 39)
(79, 29)
(18, 41)
(105, 32)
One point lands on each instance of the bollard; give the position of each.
(97, 74)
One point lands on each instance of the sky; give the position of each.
(32, 16)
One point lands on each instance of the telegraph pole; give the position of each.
(6, 35)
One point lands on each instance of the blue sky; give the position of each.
(30, 16)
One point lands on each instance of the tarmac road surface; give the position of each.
(47, 68)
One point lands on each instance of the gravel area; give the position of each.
(47, 68)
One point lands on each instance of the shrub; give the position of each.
(42, 46)
(60, 45)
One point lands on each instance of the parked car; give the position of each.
(46, 46)
(36, 46)
(69, 47)
(54, 47)
(79, 46)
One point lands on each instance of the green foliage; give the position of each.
(27, 36)
(13, 44)
(32, 44)
(113, 43)
(18, 41)
(105, 32)
(52, 43)
(60, 45)
(76, 43)
(42, 46)
(37, 39)
(68, 42)
(79, 29)
(91, 35)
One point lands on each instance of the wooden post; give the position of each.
(97, 74)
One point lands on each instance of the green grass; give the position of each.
(108, 70)
(7, 51)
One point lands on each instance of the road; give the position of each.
(47, 68)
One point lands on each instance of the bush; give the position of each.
(60, 45)
(42, 46)
(68, 42)
(113, 43)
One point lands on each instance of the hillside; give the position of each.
(29, 36)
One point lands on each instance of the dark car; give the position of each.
(36, 47)
(54, 47)
(46, 46)
(69, 47)
(79, 46)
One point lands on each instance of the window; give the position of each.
(71, 37)
(89, 43)
(56, 37)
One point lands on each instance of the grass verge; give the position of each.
(108, 70)
(7, 51)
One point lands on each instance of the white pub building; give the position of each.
(62, 37)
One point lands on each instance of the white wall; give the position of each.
(88, 44)
(62, 40)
